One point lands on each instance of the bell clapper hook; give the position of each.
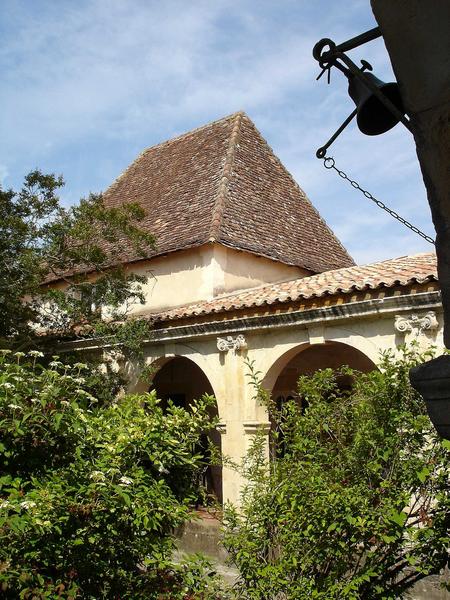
(321, 152)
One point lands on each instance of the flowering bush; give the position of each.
(89, 495)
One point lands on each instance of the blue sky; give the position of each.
(86, 85)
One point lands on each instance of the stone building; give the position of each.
(245, 269)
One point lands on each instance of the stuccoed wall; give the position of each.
(271, 349)
(202, 273)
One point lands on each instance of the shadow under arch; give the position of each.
(181, 380)
(306, 359)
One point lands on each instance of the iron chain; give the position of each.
(329, 163)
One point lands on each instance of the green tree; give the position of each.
(91, 488)
(89, 494)
(357, 506)
(80, 247)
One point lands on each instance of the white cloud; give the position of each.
(87, 85)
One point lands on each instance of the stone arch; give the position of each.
(181, 380)
(157, 356)
(359, 338)
(305, 359)
(179, 375)
(279, 364)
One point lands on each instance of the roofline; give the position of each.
(227, 171)
(255, 323)
(335, 313)
(302, 192)
(220, 199)
(171, 140)
(208, 242)
(164, 316)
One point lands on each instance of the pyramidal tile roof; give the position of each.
(222, 183)
(403, 271)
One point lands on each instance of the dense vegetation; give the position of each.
(90, 495)
(91, 487)
(356, 505)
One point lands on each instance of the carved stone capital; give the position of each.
(231, 343)
(416, 323)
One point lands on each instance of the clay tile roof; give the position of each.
(222, 183)
(403, 271)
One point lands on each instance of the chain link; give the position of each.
(329, 163)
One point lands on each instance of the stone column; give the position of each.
(240, 422)
(254, 428)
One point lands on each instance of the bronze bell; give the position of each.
(373, 117)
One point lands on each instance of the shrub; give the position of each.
(90, 495)
(357, 506)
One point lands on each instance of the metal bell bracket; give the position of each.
(327, 54)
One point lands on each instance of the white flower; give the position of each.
(14, 406)
(162, 469)
(4, 504)
(26, 504)
(19, 354)
(97, 476)
(86, 394)
(7, 385)
(34, 400)
(55, 363)
(65, 403)
(36, 353)
(80, 366)
(125, 480)
(5, 351)
(79, 380)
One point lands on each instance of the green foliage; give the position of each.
(357, 506)
(128, 336)
(126, 340)
(90, 494)
(81, 246)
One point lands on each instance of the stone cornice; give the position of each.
(327, 314)
(365, 308)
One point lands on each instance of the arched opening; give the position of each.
(182, 381)
(309, 359)
(306, 360)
